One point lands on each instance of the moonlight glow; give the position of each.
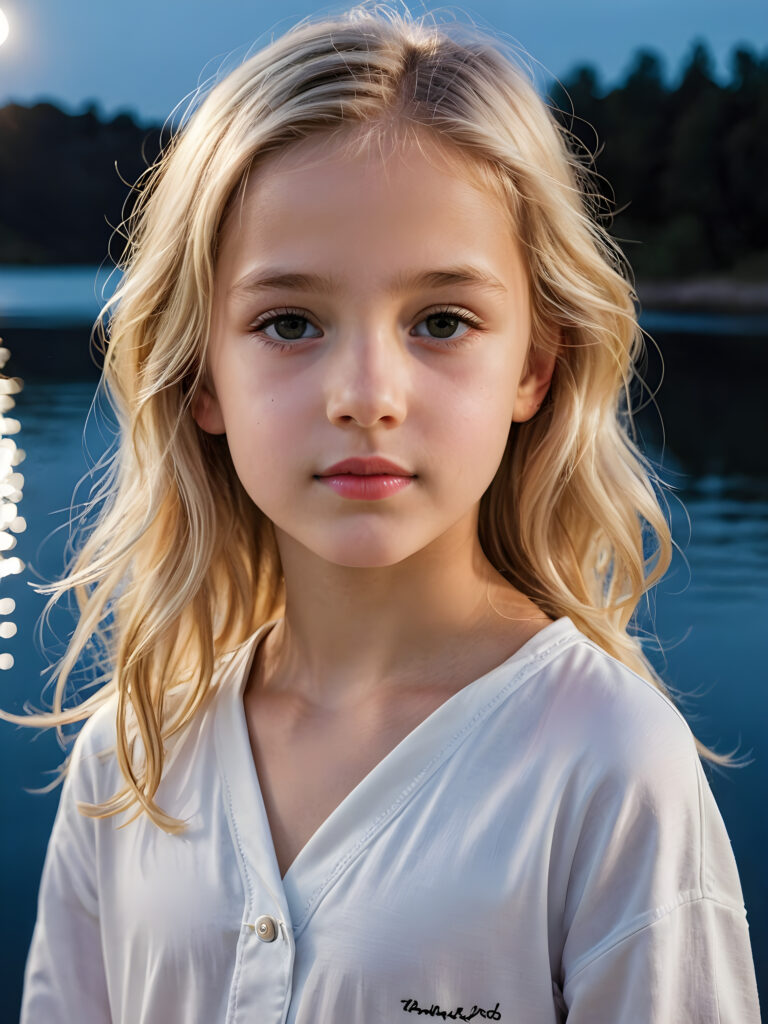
(3, 28)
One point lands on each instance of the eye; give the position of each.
(292, 323)
(446, 319)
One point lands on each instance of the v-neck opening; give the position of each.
(384, 790)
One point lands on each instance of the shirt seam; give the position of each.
(715, 962)
(249, 890)
(244, 873)
(686, 898)
(702, 851)
(667, 701)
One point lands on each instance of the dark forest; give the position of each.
(680, 171)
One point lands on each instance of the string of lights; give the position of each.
(11, 484)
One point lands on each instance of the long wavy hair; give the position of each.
(179, 557)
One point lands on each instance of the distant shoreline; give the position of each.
(708, 293)
(70, 295)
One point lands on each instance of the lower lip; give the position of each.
(368, 488)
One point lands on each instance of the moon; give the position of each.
(3, 28)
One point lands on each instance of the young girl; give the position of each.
(375, 537)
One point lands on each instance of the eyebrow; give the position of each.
(274, 278)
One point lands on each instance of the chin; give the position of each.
(362, 552)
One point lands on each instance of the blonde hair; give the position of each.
(180, 557)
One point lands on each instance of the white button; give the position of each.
(266, 928)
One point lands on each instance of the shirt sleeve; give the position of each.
(656, 928)
(64, 979)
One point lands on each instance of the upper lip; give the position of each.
(366, 467)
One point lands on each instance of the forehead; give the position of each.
(406, 198)
(373, 146)
(364, 151)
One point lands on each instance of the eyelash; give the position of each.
(277, 314)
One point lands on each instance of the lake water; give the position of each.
(710, 610)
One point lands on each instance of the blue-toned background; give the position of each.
(146, 56)
(710, 610)
(681, 133)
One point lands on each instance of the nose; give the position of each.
(368, 379)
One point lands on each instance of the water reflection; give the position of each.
(721, 524)
(710, 394)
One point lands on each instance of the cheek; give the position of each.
(470, 434)
(259, 432)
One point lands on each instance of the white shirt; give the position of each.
(544, 843)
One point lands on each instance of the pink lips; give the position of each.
(366, 467)
(366, 479)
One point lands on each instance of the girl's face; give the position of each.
(384, 347)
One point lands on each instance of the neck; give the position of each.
(350, 633)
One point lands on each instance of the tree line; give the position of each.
(683, 166)
(677, 170)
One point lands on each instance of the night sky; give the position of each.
(147, 56)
